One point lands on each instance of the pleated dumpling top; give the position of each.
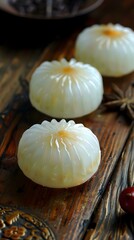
(108, 47)
(59, 154)
(66, 89)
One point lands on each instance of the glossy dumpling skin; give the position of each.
(109, 48)
(66, 89)
(59, 154)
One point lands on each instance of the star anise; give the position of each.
(121, 100)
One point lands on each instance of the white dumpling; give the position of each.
(63, 89)
(59, 154)
(109, 48)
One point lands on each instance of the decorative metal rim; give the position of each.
(16, 223)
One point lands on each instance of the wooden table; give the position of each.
(89, 211)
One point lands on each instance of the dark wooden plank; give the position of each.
(14, 64)
(112, 11)
(68, 210)
(110, 221)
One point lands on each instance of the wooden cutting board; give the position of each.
(68, 212)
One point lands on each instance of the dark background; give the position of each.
(35, 32)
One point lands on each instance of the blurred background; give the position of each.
(37, 22)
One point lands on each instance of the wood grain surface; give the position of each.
(109, 220)
(89, 211)
(14, 63)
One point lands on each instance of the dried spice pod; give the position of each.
(121, 100)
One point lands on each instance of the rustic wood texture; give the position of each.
(14, 63)
(70, 212)
(110, 221)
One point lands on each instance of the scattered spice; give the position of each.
(121, 100)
